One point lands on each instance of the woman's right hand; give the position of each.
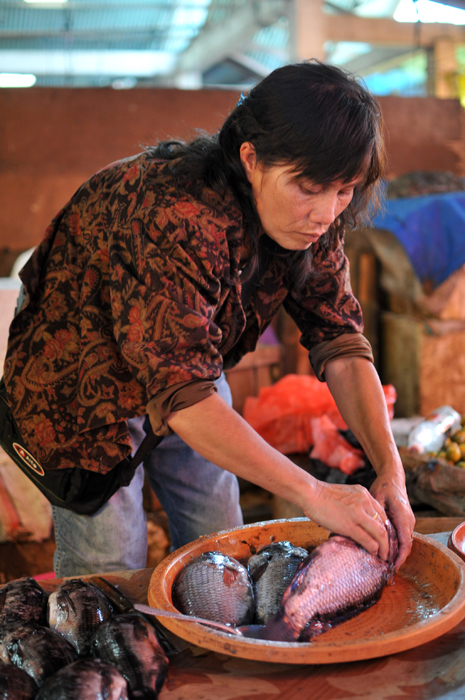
(350, 511)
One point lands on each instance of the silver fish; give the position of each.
(36, 649)
(272, 569)
(129, 642)
(338, 579)
(215, 587)
(15, 684)
(75, 610)
(85, 679)
(23, 599)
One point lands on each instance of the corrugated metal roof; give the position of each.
(165, 42)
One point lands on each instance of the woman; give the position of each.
(162, 271)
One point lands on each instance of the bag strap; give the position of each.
(149, 442)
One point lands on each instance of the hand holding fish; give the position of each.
(351, 511)
(392, 495)
(357, 390)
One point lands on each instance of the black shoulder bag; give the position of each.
(76, 489)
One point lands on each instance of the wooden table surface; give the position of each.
(433, 670)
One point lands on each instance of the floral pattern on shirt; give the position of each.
(136, 288)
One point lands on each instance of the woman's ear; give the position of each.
(248, 157)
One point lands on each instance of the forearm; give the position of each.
(221, 435)
(359, 395)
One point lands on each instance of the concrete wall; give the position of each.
(51, 140)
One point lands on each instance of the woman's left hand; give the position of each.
(392, 495)
(357, 390)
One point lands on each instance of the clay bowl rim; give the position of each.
(453, 542)
(159, 595)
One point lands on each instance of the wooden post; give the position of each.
(310, 29)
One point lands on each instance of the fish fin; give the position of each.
(324, 623)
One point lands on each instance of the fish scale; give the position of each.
(75, 610)
(86, 679)
(16, 684)
(216, 587)
(36, 649)
(322, 585)
(23, 599)
(338, 580)
(272, 570)
(129, 643)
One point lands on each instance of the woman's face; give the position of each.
(294, 213)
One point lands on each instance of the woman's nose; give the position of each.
(324, 211)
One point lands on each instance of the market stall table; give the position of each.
(430, 671)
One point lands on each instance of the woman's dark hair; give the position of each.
(316, 118)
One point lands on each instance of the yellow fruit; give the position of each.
(460, 464)
(447, 442)
(453, 453)
(459, 437)
(462, 450)
(441, 454)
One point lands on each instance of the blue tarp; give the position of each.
(432, 231)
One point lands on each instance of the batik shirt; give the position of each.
(134, 295)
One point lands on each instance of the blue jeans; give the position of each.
(198, 497)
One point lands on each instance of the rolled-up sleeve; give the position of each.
(176, 398)
(347, 345)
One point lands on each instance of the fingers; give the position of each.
(351, 511)
(394, 498)
(376, 530)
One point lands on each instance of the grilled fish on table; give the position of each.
(36, 649)
(24, 600)
(129, 643)
(41, 663)
(16, 684)
(75, 610)
(85, 679)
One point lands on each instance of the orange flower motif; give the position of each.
(74, 224)
(136, 329)
(132, 172)
(61, 345)
(187, 209)
(44, 430)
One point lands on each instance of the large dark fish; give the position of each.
(36, 649)
(15, 684)
(86, 679)
(75, 610)
(215, 587)
(272, 570)
(129, 642)
(22, 600)
(338, 580)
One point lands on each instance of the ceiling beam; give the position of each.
(213, 44)
(388, 31)
(315, 27)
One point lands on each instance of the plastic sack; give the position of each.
(330, 447)
(282, 413)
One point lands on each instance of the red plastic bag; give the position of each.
(282, 413)
(331, 448)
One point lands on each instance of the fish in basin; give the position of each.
(216, 587)
(338, 579)
(272, 569)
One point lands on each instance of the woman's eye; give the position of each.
(308, 190)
